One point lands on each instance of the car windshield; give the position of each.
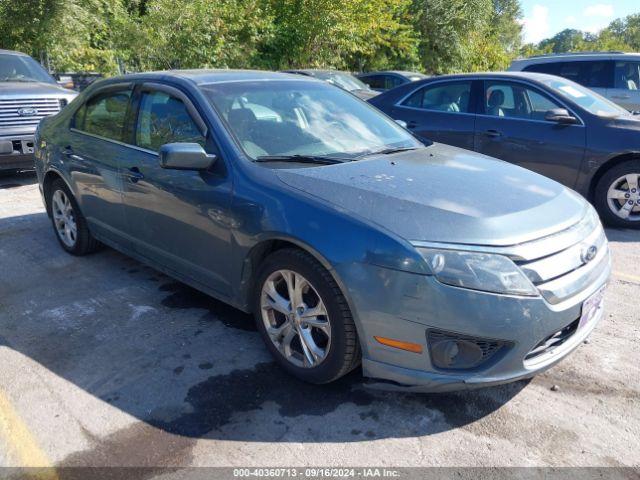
(342, 80)
(587, 99)
(20, 68)
(304, 118)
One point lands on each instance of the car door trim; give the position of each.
(122, 144)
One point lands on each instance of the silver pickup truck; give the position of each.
(27, 95)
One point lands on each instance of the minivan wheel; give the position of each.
(304, 318)
(68, 223)
(617, 195)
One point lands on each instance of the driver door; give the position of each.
(177, 218)
(512, 127)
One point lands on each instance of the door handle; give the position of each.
(493, 133)
(68, 152)
(621, 97)
(134, 174)
(412, 124)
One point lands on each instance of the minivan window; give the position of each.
(292, 117)
(165, 119)
(590, 73)
(628, 75)
(104, 114)
(444, 97)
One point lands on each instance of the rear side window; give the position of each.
(104, 114)
(548, 68)
(444, 97)
(375, 81)
(165, 119)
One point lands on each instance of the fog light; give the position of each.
(452, 351)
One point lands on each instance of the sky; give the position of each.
(545, 18)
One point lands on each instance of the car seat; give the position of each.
(494, 104)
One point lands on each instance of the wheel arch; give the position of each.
(606, 166)
(48, 179)
(266, 246)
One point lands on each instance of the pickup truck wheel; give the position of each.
(69, 225)
(617, 195)
(304, 318)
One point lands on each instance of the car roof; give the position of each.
(404, 73)
(533, 76)
(576, 56)
(209, 76)
(13, 52)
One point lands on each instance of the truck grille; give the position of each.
(26, 112)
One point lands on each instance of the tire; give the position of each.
(333, 334)
(614, 182)
(78, 240)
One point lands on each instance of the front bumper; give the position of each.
(406, 306)
(16, 152)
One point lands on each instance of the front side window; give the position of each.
(104, 114)
(165, 119)
(515, 100)
(628, 75)
(443, 97)
(292, 117)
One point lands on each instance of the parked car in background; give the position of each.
(347, 238)
(77, 81)
(344, 80)
(615, 75)
(547, 124)
(386, 80)
(27, 95)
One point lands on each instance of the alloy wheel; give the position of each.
(64, 218)
(623, 197)
(295, 318)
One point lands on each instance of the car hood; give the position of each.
(444, 194)
(19, 89)
(631, 122)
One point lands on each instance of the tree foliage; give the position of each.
(435, 36)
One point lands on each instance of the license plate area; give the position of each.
(590, 307)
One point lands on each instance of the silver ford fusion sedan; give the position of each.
(352, 242)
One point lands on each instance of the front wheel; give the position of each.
(617, 195)
(304, 319)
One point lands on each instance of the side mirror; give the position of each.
(560, 115)
(402, 123)
(185, 156)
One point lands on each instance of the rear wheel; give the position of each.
(68, 223)
(304, 319)
(617, 195)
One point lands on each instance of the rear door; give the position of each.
(177, 218)
(440, 111)
(626, 88)
(512, 127)
(93, 151)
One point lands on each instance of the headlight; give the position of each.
(478, 271)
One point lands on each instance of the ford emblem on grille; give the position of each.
(589, 253)
(27, 112)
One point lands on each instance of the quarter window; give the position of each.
(165, 119)
(104, 114)
(448, 97)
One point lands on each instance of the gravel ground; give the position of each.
(107, 362)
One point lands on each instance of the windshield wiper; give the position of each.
(386, 151)
(299, 159)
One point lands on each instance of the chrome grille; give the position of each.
(565, 272)
(10, 116)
